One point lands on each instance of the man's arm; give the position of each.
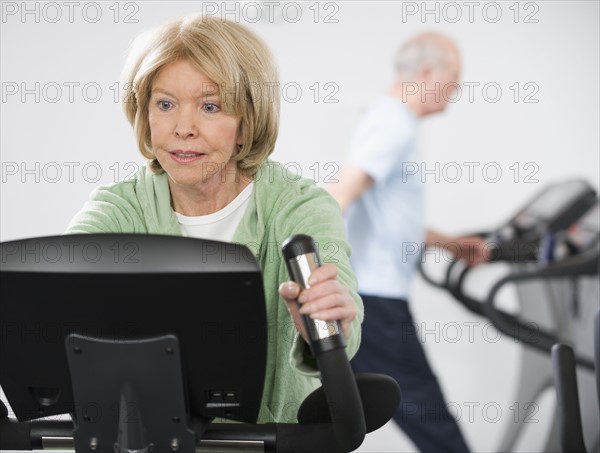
(351, 183)
(436, 238)
(472, 249)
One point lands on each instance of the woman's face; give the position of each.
(192, 138)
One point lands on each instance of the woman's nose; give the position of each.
(186, 126)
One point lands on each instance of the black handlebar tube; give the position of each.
(506, 323)
(327, 343)
(567, 396)
(345, 405)
(597, 352)
(455, 286)
(474, 305)
(584, 264)
(425, 275)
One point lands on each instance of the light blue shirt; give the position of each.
(385, 225)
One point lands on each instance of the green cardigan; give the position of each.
(281, 205)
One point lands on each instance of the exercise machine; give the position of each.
(551, 248)
(571, 260)
(100, 327)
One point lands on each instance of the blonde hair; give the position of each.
(232, 56)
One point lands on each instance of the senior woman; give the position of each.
(200, 97)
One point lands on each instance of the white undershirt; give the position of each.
(220, 225)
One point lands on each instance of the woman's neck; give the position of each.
(208, 196)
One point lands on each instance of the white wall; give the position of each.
(55, 149)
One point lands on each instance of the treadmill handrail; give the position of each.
(584, 264)
(507, 323)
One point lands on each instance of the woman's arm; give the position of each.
(333, 293)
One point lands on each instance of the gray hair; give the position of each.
(427, 49)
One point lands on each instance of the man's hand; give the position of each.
(472, 249)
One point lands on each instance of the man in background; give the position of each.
(383, 206)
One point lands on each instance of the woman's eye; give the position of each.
(164, 105)
(210, 107)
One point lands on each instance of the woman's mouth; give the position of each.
(186, 156)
